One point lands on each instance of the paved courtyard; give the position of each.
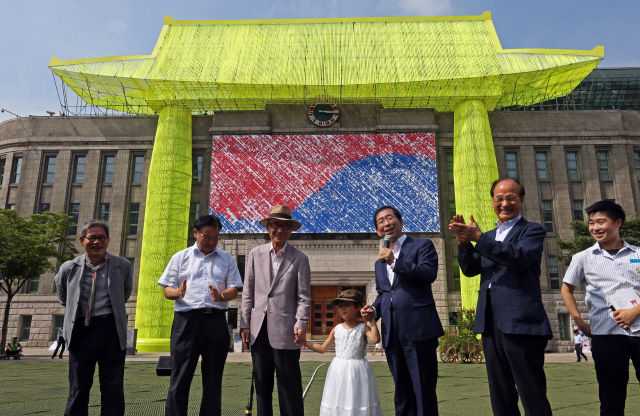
(38, 385)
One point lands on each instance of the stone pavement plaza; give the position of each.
(38, 385)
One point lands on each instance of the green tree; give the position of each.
(630, 232)
(30, 247)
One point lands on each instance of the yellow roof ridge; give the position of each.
(168, 20)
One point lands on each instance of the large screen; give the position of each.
(333, 183)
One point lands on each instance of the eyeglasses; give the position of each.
(209, 237)
(509, 198)
(388, 218)
(93, 238)
(285, 227)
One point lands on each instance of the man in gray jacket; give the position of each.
(94, 288)
(275, 310)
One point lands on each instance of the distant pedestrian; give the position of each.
(14, 349)
(578, 338)
(378, 347)
(60, 345)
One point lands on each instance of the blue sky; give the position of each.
(33, 31)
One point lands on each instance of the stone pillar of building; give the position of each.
(474, 170)
(166, 224)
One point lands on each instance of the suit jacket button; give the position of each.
(392, 291)
(264, 311)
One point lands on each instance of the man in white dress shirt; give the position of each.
(610, 265)
(201, 280)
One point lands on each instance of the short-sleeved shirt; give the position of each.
(601, 275)
(218, 269)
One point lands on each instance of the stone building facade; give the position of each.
(96, 167)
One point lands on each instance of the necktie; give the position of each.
(92, 296)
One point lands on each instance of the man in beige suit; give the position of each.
(275, 310)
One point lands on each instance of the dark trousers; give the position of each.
(580, 353)
(96, 343)
(286, 364)
(60, 347)
(414, 367)
(515, 360)
(10, 353)
(611, 354)
(195, 333)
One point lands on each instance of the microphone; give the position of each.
(387, 243)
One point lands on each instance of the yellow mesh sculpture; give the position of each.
(445, 63)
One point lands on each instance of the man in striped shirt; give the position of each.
(610, 265)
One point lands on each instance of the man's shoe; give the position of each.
(577, 361)
(586, 359)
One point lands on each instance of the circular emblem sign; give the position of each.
(323, 114)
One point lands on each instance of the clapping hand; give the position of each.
(465, 233)
(182, 289)
(215, 294)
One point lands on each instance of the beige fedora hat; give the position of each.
(283, 213)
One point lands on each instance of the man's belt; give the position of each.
(209, 310)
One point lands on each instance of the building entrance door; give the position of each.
(323, 317)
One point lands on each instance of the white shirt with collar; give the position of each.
(218, 269)
(397, 245)
(601, 275)
(276, 259)
(503, 231)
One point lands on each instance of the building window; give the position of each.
(15, 171)
(450, 166)
(541, 164)
(241, 260)
(25, 328)
(3, 163)
(104, 212)
(33, 284)
(197, 168)
(109, 166)
(603, 164)
(49, 169)
(134, 213)
(563, 326)
(572, 165)
(11, 206)
(578, 213)
(45, 208)
(547, 216)
(74, 210)
(78, 169)
(194, 213)
(636, 158)
(138, 166)
(554, 273)
(452, 209)
(456, 274)
(512, 164)
(58, 322)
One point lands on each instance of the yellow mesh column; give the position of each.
(165, 224)
(474, 170)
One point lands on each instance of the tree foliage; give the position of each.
(630, 232)
(30, 247)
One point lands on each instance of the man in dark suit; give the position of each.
(410, 324)
(510, 315)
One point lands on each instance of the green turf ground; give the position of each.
(40, 388)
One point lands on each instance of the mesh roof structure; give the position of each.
(400, 62)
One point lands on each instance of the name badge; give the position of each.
(634, 260)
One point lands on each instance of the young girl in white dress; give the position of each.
(350, 388)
